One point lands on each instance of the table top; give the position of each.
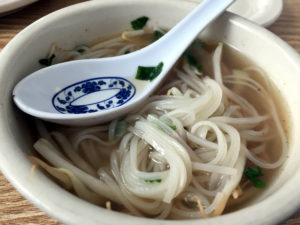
(14, 208)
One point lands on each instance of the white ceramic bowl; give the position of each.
(87, 21)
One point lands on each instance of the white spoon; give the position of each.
(86, 92)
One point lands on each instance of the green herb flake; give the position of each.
(120, 128)
(198, 43)
(126, 52)
(139, 23)
(158, 34)
(187, 55)
(148, 73)
(252, 174)
(47, 61)
(81, 48)
(152, 181)
(258, 183)
(173, 127)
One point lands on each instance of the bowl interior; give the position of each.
(85, 22)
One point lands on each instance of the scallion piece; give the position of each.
(81, 48)
(252, 174)
(187, 55)
(173, 127)
(47, 61)
(120, 128)
(149, 73)
(152, 181)
(158, 34)
(126, 52)
(139, 23)
(198, 43)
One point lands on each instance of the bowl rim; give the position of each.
(62, 213)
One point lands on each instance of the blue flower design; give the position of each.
(101, 82)
(60, 108)
(123, 94)
(77, 109)
(77, 89)
(65, 100)
(100, 107)
(90, 87)
(61, 101)
(122, 83)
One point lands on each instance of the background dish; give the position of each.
(261, 12)
(9, 6)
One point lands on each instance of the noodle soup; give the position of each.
(205, 140)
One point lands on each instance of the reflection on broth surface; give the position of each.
(210, 137)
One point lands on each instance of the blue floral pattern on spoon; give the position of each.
(108, 93)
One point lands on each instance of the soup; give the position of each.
(207, 136)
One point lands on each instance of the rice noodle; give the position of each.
(185, 150)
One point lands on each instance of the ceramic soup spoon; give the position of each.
(92, 91)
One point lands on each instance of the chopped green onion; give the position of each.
(152, 181)
(252, 174)
(47, 61)
(158, 34)
(81, 48)
(139, 23)
(148, 73)
(126, 52)
(198, 43)
(258, 183)
(120, 128)
(173, 127)
(192, 60)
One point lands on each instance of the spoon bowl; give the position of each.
(86, 92)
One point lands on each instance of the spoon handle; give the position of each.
(173, 44)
